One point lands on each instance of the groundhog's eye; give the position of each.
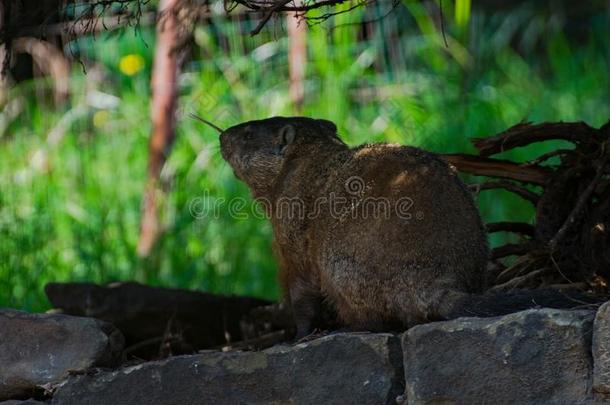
(248, 134)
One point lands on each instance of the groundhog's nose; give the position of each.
(225, 144)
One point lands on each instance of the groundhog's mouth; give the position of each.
(224, 153)
(234, 168)
(230, 157)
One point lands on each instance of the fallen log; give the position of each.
(158, 322)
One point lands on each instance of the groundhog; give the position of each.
(386, 235)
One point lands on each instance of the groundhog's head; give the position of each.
(258, 150)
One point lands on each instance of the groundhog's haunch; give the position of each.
(387, 235)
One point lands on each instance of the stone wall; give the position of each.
(531, 357)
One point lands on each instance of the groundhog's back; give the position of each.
(432, 225)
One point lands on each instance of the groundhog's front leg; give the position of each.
(306, 302)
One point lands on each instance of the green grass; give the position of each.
(70, 211)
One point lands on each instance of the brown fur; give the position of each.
(375, 270)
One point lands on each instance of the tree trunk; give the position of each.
(297, 56)
(3, 59)
(164, 86)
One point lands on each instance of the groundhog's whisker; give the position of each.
(198, 118)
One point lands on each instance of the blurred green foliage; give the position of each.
(69, 210)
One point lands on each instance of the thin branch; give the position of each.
(268, 14)
(526, 133)
(326, 16)
(517, 281)
(508, 186)
(515, 227)
(510, 249)
(395, 3)
(517, 268)
(568, 286)
(547, 156)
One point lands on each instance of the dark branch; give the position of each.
(525, 134)
(268, 15)
(515, 227)
(510, 249)
(518, 281)
(483, 166)
(508, 186)
(547, 156)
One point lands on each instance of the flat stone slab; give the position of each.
(41, 349)
(601, 350)
(530, 357)
(335, 369)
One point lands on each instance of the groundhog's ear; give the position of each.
(287, 136)
(328, 126)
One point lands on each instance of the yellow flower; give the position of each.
(100, 117)
(131, 64)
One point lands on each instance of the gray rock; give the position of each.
(335, 369)
(38, 350)
(601, 350)
(530, 357)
